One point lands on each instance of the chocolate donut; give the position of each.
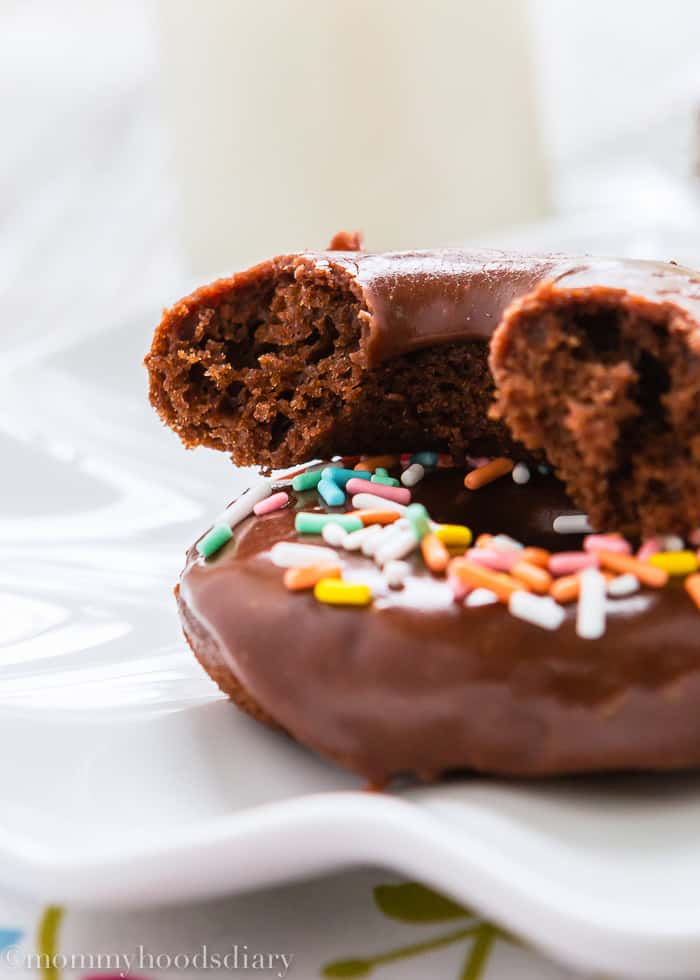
(597, 365)
(418, 682)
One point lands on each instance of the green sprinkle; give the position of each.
(418, 516)
(382, 476)
(310, 523)
(341, 477)
(307, 481)
(214, 539)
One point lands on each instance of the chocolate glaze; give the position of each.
(420, 684)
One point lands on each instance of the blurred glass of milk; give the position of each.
(411, 120)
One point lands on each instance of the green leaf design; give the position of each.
(411, 902)
(348, 968)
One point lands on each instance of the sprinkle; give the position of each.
(483, 475)
(381, 476)
(445, 462)
(373, 542)
(504, 543)
(470, 574)
(655, 578)
(484, 541)
(305, 577)
(372, 462)
(418, 517)
(334, 535)
(426, 459)
(243, 506)
(330, 493)
(649, 547)
(335, 592)
(307, 522)
(675, 562)
(396, 573)
(536, 556)
(571, 524)
(539, 610)
(370, 501)
(400, 495)
(354, 541)
(412, 475)
(533, 576)
(308, 480)
(568, 562)
(400, 544)
(543, 469)
(623, 585)
(671, 542)
(340, 476)
(590, 615)
(454, 535)
(692, 586)
(566, 589)
(521, 474)
(608, 542)
(289, 554)
(435, 554)
(480, 597)
(214, 540)
(498, 561)
(376, 516)
(273, 502)
(476, 461)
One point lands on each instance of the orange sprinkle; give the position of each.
(649, 575)
(532, 575)
(435, 554)
(566, 589)
(297, 579)
(488, 473)
(536, 556)
(375, 516)
(483, 541)
(692, 585)
(476, 576)
(372, 462)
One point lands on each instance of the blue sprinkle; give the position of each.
(331, 493)
(425, 459)
(340, 476)
(544, 469)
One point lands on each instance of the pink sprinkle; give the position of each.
(569, 562)
(606, 542)
(405, 459)
(497, 561)
(477, 461)
(269, 504)
(695, 537)
(650, 546)
(400, 495)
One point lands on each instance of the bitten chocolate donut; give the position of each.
(417, 678)
(597, 365)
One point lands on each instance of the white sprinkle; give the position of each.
(572, 524)
(521, 474)
(398, 546)
(373, 542)
(504, 544)
(396, 573)
(370, 501)
(539, 610)
(287, 554)
(355, 539)
(412, 475)
(590, 617)
(671, 542)
(334, 535)
(480, 597)
(623, 585)
(243, 507)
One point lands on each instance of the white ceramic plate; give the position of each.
(127, 779)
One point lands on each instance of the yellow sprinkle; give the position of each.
(454, 535)
(337, 593)
(675, 562)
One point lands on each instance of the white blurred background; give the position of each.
(146, 145)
